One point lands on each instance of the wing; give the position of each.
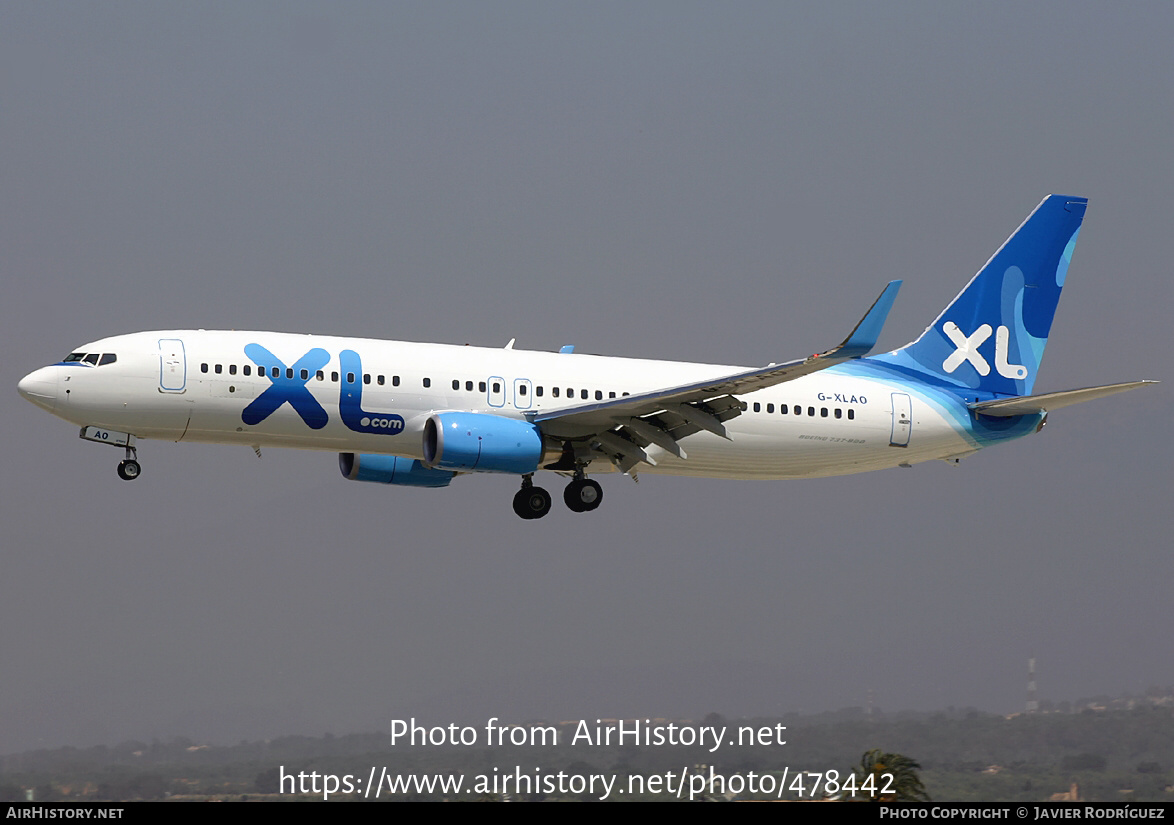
(622, 428)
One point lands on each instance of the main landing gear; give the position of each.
(531, 502)
(581, 496)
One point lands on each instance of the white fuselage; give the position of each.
(191, 385)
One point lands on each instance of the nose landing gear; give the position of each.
(129, 469)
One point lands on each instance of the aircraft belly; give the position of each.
(811, 448)
(760, 457)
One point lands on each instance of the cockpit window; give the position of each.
(96, 359)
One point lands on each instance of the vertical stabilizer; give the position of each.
(992, 337)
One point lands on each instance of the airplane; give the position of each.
(419, 415)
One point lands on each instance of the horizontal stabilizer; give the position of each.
(1028, 404)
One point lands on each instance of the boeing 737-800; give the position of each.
(421, 414)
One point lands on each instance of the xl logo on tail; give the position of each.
(966, 349)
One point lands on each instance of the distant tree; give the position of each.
(268, 781)
(1084, 762)
(904, 786)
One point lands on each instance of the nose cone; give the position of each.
(40, 387)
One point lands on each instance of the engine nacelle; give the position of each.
(481, 442)
(391, 469)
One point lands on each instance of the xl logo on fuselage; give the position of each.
(966, 349)
(289, 386)
(350, 400)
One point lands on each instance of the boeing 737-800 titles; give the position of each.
(421, 414)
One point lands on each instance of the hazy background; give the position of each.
(707, 182)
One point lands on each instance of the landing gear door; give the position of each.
(172, 365)
(902, 420)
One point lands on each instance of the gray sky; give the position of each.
(707, 182)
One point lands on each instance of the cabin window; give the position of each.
(823, 412)
(217, 369)
(468, 386)
(521, 389)
(379, 380)
(783, 409)
(757, 407)
(427, 382)
(456, 385)
(366, 378)
(797, 410)
(481, 386)
(554, 391)
(851, 415)
(538, 391)
(321, 376)
(277, 372)
(599, 395)
(350, 378)
(583, 394)
(770, 408)
(395, 380)
(496, 387)
(232, 369)
(247, 370)
(839, 413)
(203, 367)
(811, 411)
(624, 393)
(611, 395)
(305, 375)
(334, 377)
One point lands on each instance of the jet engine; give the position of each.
(391, 469)
(483, 443)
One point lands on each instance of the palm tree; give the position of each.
(904, 784)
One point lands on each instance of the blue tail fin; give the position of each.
(992, 337)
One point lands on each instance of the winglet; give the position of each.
(866, 333)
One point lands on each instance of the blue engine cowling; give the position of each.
(480, 442)
(390, 469)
